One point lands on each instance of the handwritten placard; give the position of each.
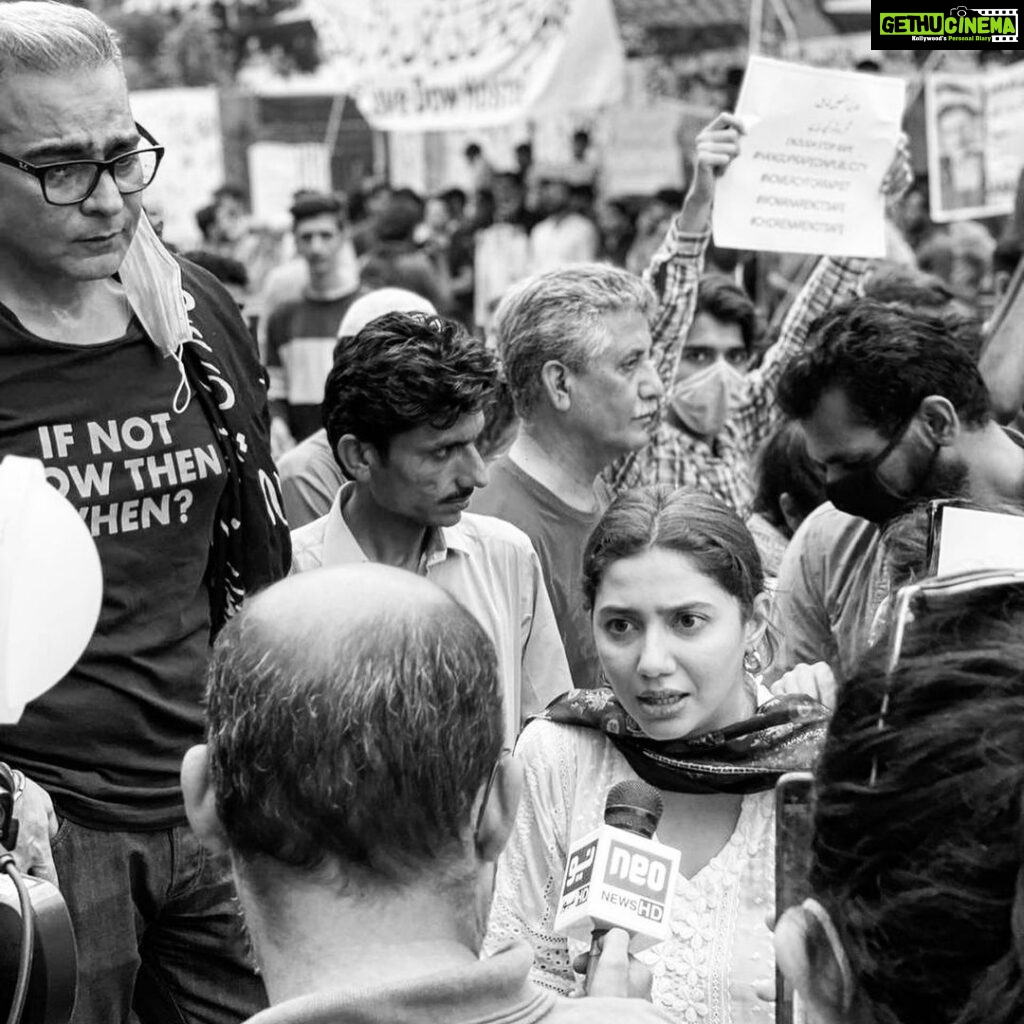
(810, 168)
(972, 540)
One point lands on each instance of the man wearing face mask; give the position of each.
(893, 406)
(720, 413)
(718, 348)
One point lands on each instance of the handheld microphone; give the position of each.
(618, 876)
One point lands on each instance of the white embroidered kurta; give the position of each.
(721, 944)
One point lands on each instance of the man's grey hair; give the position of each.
(557, 316)
(52, 38)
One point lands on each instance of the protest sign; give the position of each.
(278, 169)
(808, 176)
(975, 132)
(441, 65)
(643, 151)
(186, 122)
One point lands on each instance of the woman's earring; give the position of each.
(752, 662)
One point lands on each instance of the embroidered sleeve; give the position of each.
(530, 872)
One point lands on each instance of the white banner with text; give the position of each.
(442, 65)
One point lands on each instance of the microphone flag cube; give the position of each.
(616, 879)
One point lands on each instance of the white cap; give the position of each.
(383, 300)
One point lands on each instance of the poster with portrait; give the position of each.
(975, 134)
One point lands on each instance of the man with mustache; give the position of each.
(404, 411)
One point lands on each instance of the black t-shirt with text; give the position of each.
(107, 740)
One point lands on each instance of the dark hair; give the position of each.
(230, 190)
(405, 370)
(669, 197)
(473, 149)
(500, 421)
(923, 869)
(1007, 254)
(224, 268)
(885, 360)
(399, 218)
(409, 195)
(506, 178)
(453, 195)
(205, 218)
(314, 204)
(691, 523)
(365, 749)
(897, 283)
(725, 300)
(583, 193)
(784, 467)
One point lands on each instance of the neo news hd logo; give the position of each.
(896, 27)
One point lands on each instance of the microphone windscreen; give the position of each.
(635, 806)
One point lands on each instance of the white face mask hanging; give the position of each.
(151, 278)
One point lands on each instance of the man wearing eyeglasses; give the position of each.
(130, 376)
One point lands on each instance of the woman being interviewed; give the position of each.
(675, 588)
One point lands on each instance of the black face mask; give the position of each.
(862, 491)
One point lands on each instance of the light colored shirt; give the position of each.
(489, 567)
(310, 478)
(493, 990)
(831, 583)
(720, 945)
(558, 241)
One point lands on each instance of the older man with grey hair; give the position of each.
(587, 383)
(590, 350)
(130, 375)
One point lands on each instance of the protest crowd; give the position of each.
(421, 537)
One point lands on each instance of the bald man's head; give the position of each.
(352, 715)
(320, 616)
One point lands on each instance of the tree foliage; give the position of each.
(196, 44)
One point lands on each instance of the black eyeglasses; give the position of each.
(73, 181)
(930, 595)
